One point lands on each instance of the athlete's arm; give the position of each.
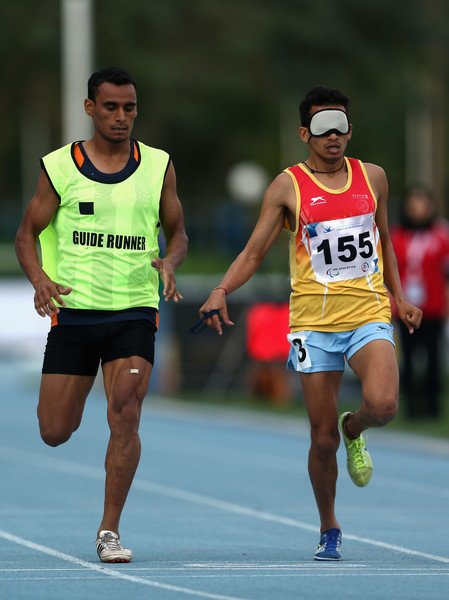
(37, 216)
(278, 199)
(172, 221)
(409, 314)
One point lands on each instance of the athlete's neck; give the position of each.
(106, 156)
(323, 169)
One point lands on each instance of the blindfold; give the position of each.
(327, 121)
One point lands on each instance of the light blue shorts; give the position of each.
(315, 351)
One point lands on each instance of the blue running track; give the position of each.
(221, 508)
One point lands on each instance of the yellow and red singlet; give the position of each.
(335, 254)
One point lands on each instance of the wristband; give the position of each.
(220, 287)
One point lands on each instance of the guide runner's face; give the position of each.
(113, 111)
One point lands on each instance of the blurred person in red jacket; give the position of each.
(421, 244)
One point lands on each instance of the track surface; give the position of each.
(221, 508)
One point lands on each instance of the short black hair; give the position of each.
(419, 189)
(115, 75)
(321, 96)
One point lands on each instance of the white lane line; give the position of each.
(247, 576)
(191, 411)
(298, 574)
(273, 462)
(75, 468)
(248, 457)
(290, 465)
(310, 566)
(107, 571)
(40, 569)
(266, 516)
(402, 549)
(53, 579)
(411, 486)
(221, 568)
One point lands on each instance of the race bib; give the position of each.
(343, 248)
(298, 343)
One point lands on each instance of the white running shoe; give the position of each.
(110, 550)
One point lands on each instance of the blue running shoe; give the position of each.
(329, 546)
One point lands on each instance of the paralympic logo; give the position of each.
(333, 273)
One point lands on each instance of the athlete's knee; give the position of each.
(53, 436)
(324, 441)
(384, 410)
(124, 415)
(76, 426)
(55, 430)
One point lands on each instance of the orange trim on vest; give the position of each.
(78, 155)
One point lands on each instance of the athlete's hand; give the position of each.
(47, 292)
(167, 272)
(410, 315)
(216, 301)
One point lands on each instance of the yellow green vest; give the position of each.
(103, 236)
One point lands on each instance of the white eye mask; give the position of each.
(327, 121)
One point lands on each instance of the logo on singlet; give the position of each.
(317, 200)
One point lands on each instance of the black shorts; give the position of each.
(78, 349)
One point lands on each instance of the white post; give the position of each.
(418, 133)
(77, 50)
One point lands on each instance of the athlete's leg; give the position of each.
(320, 392)
(69, 369)
(61, 404)
(376, 366)
(126, 382)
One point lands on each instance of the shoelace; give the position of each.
(359, 458)
(331, 539)
(112, 542)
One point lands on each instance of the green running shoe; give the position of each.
(360, 465)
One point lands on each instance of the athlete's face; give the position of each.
(419, 208)
(113, 111)
(330, 147)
